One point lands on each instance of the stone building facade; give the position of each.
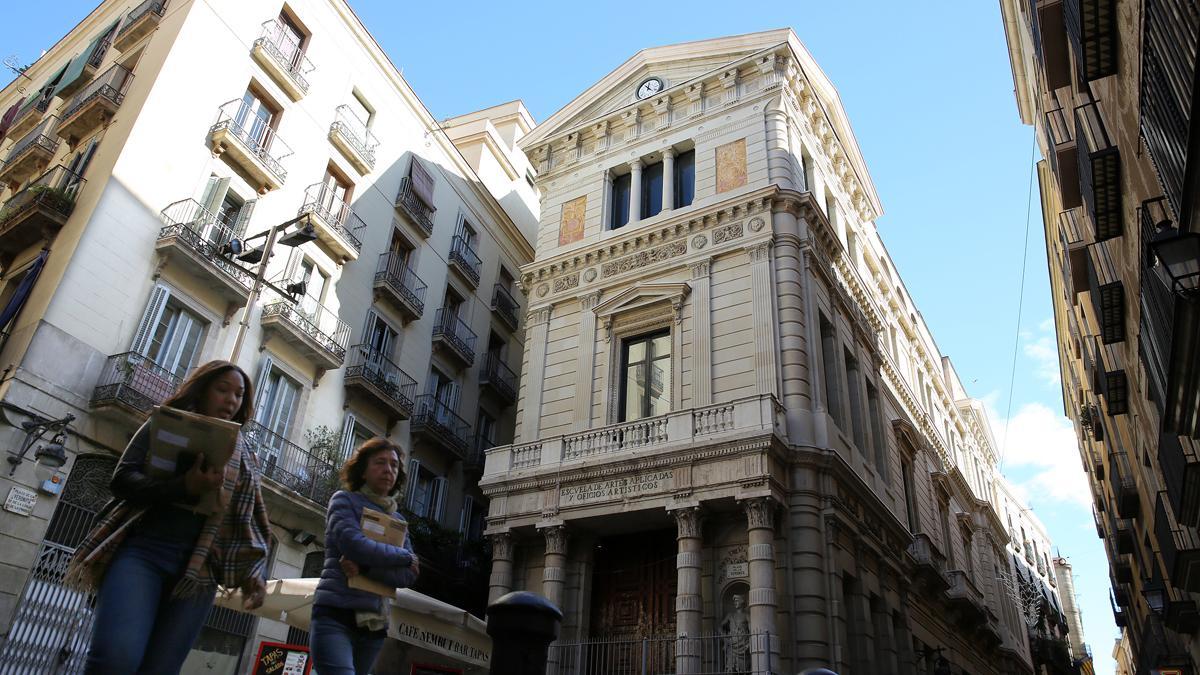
(1110, 89)
(738, 446)
(135, 149)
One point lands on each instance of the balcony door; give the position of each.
(380, 339)
(335, 195)
(276, 413)
(255, 118)
(646, 376)
(445, 395)
(176, 340)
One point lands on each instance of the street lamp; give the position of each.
(1156, 597)
(262, 256)
(1179, 254)
(49, 458)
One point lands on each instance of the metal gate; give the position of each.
(53, 624)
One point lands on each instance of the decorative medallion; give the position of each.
(756, 224)
(699, 242)
(590, 275)
(542, 290)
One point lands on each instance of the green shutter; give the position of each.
(74, 69)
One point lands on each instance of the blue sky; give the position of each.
(928, 91)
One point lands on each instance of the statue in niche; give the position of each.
(736, 628)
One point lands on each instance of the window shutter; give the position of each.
(243, 218)
(368, 326)
(154, 309)
(347, 436)
(262, 379)
(414, 468)
(214, 193)
(6, 120)
(295, 257)
(464, 520)
(439, 499)
(422, 182)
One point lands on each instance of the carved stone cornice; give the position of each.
(687, 522)
(556, 539)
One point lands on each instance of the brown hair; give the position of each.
(354, 471)
(192, 391)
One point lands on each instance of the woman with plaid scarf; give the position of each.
(153, 561)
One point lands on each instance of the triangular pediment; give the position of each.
(643, 295)
(673, 64)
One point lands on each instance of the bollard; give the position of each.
(522, 626)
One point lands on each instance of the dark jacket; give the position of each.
(131, 482)
(378, 561)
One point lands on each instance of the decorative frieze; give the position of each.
(729, 232)
(643, 258)
(566, 282)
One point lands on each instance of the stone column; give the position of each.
(688, 610)
(885, 640)
(794, 352)
(701, 333)
(554, 574)
(586, 362)
(762, 292)
(668, 198)
(538, 331)
(635, 191)
(500, 583)
(760, 522)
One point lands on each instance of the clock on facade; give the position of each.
(649, 87)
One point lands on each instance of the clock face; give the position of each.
(650, 87)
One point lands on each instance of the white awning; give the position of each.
(416, 619)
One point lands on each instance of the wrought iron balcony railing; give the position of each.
(394, 272)
(41, 138)
(506, 307)
(148, 7)
(372, 367)
(135, 382)
(101, 97)
(279, 42)
(334, 213)
(262, 143)
(464, 257)
(205, 232)
(355, 134)
(434, 419)
(309, 474)
(455, 333)
(420, 213)
(497, 375)
(314, 320)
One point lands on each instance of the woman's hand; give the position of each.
(200, 480)
(254, 590)
(349, 567)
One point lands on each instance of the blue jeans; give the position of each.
(138, 627)
(338, 649)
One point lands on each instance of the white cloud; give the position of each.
(1042, 442)
(1042, 349)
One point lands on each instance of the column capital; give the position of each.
(760, 513)
(701, 268)
(668, 153)
(590, 300)
(760, 252)
(540, 315)
(688, 521)
(556, 539)
(635, 165)
(502, 546)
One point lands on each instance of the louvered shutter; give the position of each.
(243, 219)
(347, 436)
(464, 519)
(150, 317)
(422, 182)
(262, 380)
(439, 498)
(414, 468)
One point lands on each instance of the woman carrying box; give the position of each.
(155, 562)
(349, 624)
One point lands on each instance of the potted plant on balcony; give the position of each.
(325, 461)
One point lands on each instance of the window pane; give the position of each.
(652, 185)
(620, 201)
(660, 387)
(685, 178)
(635, 391)
(637, 352)
(662, 346)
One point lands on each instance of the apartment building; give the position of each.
(150, 157)
(1109, 88)
(738, 446)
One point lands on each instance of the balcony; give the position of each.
(1180, 614)
(1099, 173)
(474, 461)
(930, 563)
(400, 287)
(30, 155)
(28, 116)
(1169, 29)
(498, 378)
(1052, 43)
(38, 211)
(452, 335)
(336, 225)
(311, 328)
(464, 260)
(1122, 569)
(506, 307)
(290, 466)
(353, 139)
(1181, 478)
(1107, 294)
(965, 597)
(94, 106)
(192, 237)
(1124, 485)
(283, 59)
(1099, 523)
(1180, 549)
(81, 69)
(1064, 156)
(130, 386)
(741, 419)
(1123, 536)
(250, 145)
(1119, 616)
(435, 422)
(140, 22)
(1092, 30)
(371, 373)
(418, 212)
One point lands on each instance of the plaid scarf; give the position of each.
(231, 548)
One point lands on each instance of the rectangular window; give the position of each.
(652, 190)
(910, 496)
(619, 199)
(645, 376)
(276, 412)
(428, 493)
(944, 513)
(968, 558)
(685, 178)
(833, 390)
(176, 340)
(257, 118)
(485, 436)
(878, 439)
(468, 234)
(857, 428)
